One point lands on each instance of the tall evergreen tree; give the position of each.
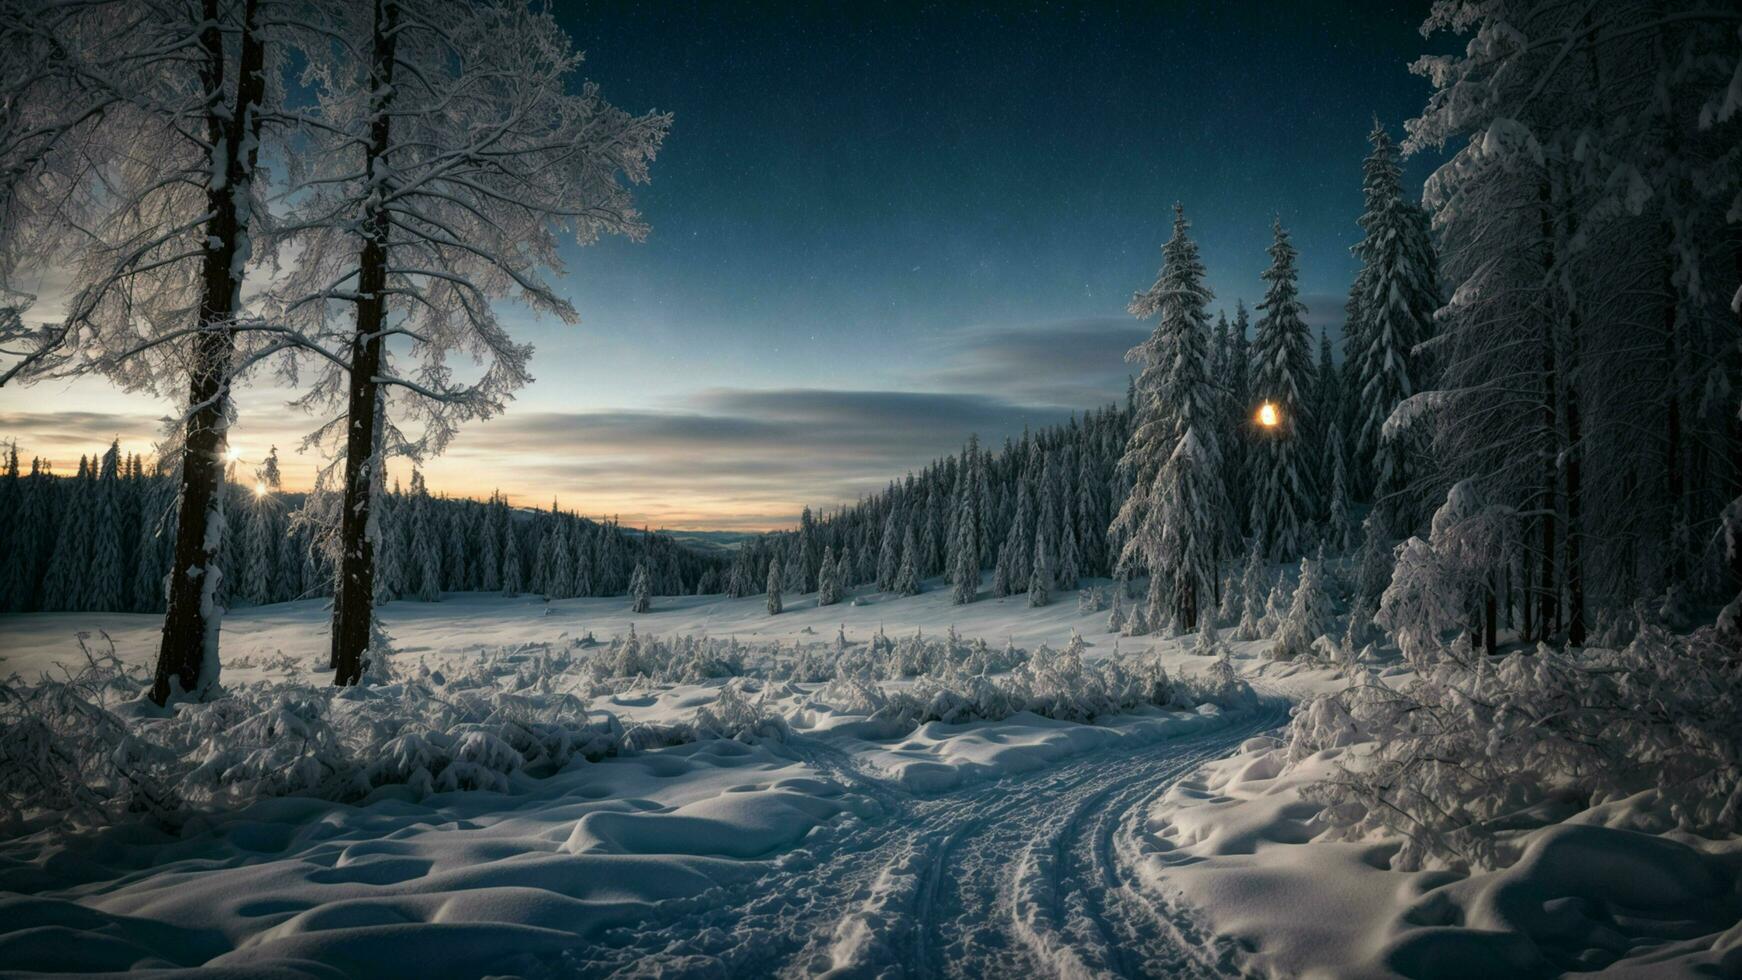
(640, 589)
(774, 583)
(1284, 497)
(1040, 574)
(106, 574)
(965, 547)
(1174, 518)
(1397, 292)
(907, 578)
(828, 583)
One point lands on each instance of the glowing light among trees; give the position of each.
(1268, 416)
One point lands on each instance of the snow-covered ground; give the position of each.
(841, 838)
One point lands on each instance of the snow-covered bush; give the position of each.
(1459, 755)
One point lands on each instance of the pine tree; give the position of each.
(1173, 520)
(889, 556)
(1401, 292)
(774, 584)
(907, 581)
(828, 584)
(965, 547)
(560, 580)
(426, 555)
(62, 584)
(1001, 574)
(1069, 573)
(512, 580)
(1284, 499)
(1309, 614)
(1254, 585)
(1327, 408)
(1339, 528)
(260, 535)
(1040, 575)
(641, 590)
(105, 574)
(1237, 449)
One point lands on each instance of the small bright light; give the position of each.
(260, 489)
(232, 454)
(1268, 416)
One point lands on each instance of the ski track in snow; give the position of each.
(1030, 875)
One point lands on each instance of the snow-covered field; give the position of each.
(779, 823)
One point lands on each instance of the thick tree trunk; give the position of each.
(188, 654)
(354, 603)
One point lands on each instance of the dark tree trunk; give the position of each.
(354, 603)
(190, 626)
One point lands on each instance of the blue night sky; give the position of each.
(876, 230)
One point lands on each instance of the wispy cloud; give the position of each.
(1076, 363)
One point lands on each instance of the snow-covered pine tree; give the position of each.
(1339, 528)
(1310, 614)
(1001, 573)
(1040, 574)
(1399, 276)
(105, 575)
(1237, 448)
(792, 565)
(426, 555)
(559, 580)
(1070, 572)
(965, 548)
(828, 582)
(1254, 587)
(260, 534)
(513, 578)
(1284, 498)
(889, 553)
(63, 582)
(775, 580)
(907, 581)
(1327, 408)
(1174, 519)
(641, 590)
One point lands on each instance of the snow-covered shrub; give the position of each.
(85, 749)
(1437, 585)
(1461, 752)
(735, 715)
(1221, 685)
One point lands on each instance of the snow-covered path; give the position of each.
(1032, 875)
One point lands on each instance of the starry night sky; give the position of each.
(876, 229)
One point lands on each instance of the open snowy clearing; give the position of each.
(957, 849)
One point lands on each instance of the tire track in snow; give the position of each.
(1029, 875)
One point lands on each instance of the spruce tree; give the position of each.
(1040, 575)
(774, 583)
(641, 589)
(1284, 497)
(1401, 293)
(965, 547)
(828, 583)
(512, 577)
(889, 555)
(1174, 518)
(426, 555)
(260, 536)
(907, 580)
(106, 574)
